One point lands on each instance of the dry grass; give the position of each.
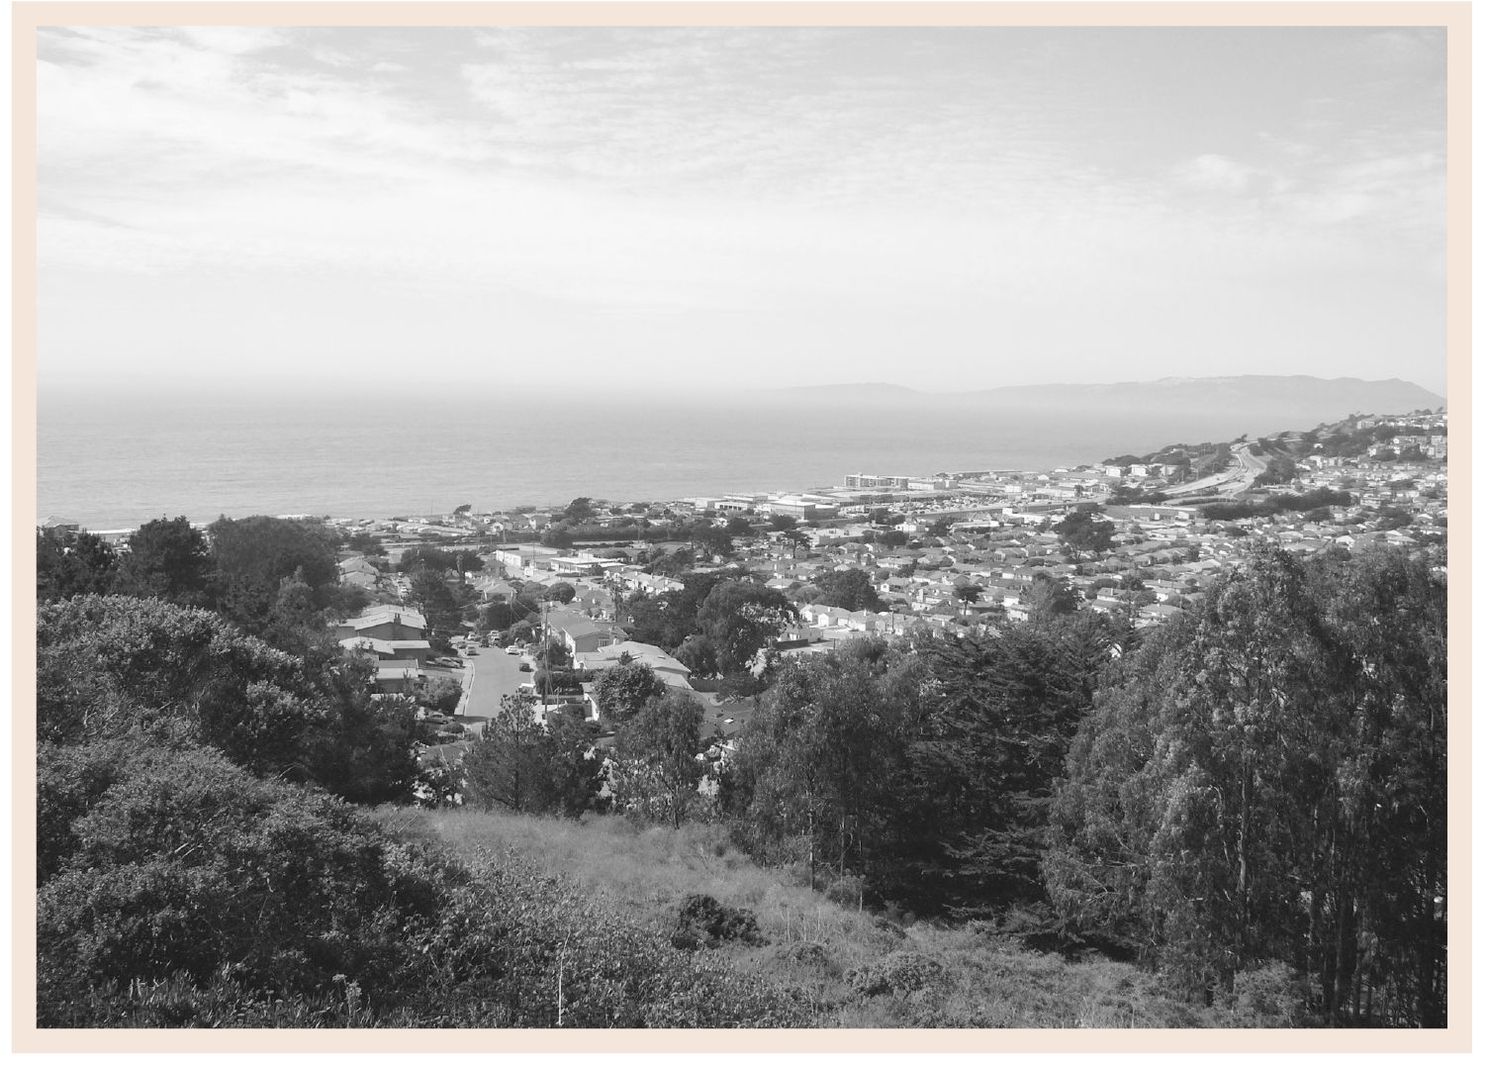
(924, 974)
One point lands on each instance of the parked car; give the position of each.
(524, 666)
(514, 650)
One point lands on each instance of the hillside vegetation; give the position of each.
(1236, 817)
(854, 967)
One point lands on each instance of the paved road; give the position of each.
(490, 675)
(1232, 481)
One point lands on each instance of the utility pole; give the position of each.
(544, 604)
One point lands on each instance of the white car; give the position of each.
(514, 650)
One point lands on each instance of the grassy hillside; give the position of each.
(858, 968)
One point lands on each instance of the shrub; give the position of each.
(703, 922)
(899, 973)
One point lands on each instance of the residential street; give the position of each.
(489, 676)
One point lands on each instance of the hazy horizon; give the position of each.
(665, 209)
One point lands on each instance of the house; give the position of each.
(389, 650)
(398, 676)
(579, 634)
(385, 622)
(668, 670)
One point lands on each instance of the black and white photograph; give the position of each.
(858, 526)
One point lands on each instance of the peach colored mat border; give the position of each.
(26, 17)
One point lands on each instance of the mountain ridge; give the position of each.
(1275, 393)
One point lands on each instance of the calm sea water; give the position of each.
(111, 460)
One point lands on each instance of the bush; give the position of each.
(900, 973)
(441, 694)
(702, 922)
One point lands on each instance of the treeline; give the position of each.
(1225, 511)
(1255, 787)
(272, 578)
(1252, 792)
(1257, 784)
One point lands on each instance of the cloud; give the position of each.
(698, 176)
(1216, 173)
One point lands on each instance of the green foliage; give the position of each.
(657, 769)
(1084, 531)
(180, 891)
(366, 544)
(812, 764)
(524, 765)
(1276, 504)
(738, 618)
(851, 589)
(983, 761)
(1280, 471)
(441, 694)
(1268, 783)
(702, 922)
(621, 692)
(169, 559)
(715, 540)
(176, 862)
(562, 592)
(73, 564)
(107, 666)
(253, 556)
(579, 509)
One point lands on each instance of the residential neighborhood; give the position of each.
(887, 556)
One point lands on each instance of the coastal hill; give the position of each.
(1302, 400)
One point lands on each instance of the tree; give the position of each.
(580, 509)
(968, 594)
(737, 526)
(562, 592)
(1083, 531)
(797, 540)
(110, 666)
(657, 754)
(712, 539)
(506, 766)
(436, 602)
(1267, 783)
(622, 691)
(813, 761)
(69, 564)
(739, 618)
(852, 589)
(262, 551)
(1050, 596)
(499, 614)
(168, 559)
(984, 759)
(698, 655)
(782, 523)
(441, 694)
(367, 544)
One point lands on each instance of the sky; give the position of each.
(722, 208)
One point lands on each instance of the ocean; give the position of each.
(111, 459)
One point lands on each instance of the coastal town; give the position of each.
(880, 555)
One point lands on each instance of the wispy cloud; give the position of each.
(985, 181)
